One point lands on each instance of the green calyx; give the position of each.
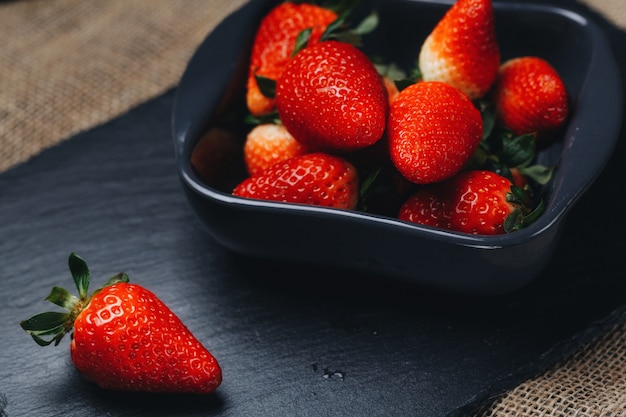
(50, 327)
(522, 216)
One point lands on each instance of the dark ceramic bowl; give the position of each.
(210, 99)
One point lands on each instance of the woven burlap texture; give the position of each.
(590, 383)
(69, 65)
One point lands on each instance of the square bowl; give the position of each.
(208, 124)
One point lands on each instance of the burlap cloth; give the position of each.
(68, 65)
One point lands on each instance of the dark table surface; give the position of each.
(314, 342)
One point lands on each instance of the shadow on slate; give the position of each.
(313, 342)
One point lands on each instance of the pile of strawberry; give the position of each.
(451, 145)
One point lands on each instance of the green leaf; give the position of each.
(42, 342)
(332, 28)
(513, 221)
(266, 85)
(62, 298)
(366, 186)
(341, 7)
(302, 40)
(517, 195)
(367, 25)
(488, 113)
(80, 273)
(391, 71)
(518, 150)
(262, 119)
(121, 277)
(539, 173)
(531, 217)
(45, 322)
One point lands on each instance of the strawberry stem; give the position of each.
(50, 327)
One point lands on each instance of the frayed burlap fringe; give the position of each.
(592, 383)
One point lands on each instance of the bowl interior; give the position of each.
(211, 93)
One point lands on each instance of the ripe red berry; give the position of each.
(530, 96)
(330, 97)
(274, 44)
(476, 202)
(433, 130)
(318, 179)
(462, 50)
(124, 338)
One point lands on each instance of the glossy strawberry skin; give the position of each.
(127, 339)
(462, 49)
(480, 202)
(331, 98)
(433, 130)
(430, 206)
(268, 144)
(473, 202)
(274, 43)
(318, 179)
(530, 96)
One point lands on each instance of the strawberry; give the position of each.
(125, 338)
(267, 144)
(429, 205)
(274, 43)
(462, 49)
(475, 202)
(216, 158)
(315, 178)
(433, 130)
(482, 202)
(530, 97)
(331, 98)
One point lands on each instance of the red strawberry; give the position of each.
(316, 178)
(475, 202)
(125, 338)
(430, 205)
(462, 49)
(216, 158)
(433, 130)
(481, 202)
(330, 97)
(530, 96)
(275, 41)
(268, 144)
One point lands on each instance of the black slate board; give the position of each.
(291, 342)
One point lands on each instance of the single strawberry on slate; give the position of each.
(316, 178)
(530, 97)
(433, 130)
(462, 50)
(124, 338)
(331, 98)
(274, 44)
